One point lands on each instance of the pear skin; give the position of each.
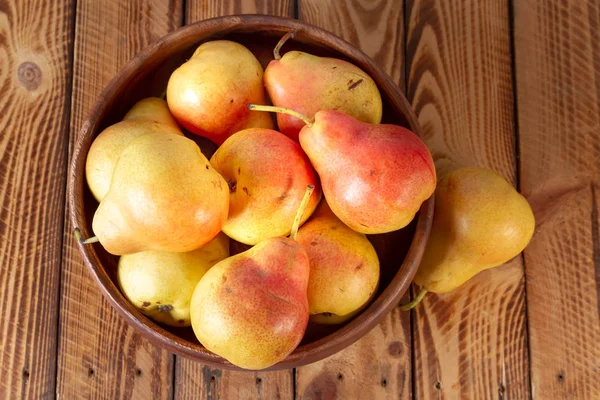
(154, 109)
(480, 222)
(374, 177)
(108, 146)
(344, 267)
(308, 83)
(147, 115)
(164, 196)
(208, 94)
(160, 284)
(267, 174)
(252, 308)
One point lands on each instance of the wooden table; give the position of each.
(510, 85)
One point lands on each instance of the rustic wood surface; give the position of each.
(35, 96)
(514, 86)
(558, 104)
(470, 343)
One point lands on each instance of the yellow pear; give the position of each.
(154, 109)
(164, 196)
(160, 284)
(208, 93)
(480, 221)
(344, 267)
(146, 116)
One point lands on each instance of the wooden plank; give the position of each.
(471, 343)
(100, 356)
(197, 10)
(379, 364)
(194, 380)
(35, 73)
(557, 58)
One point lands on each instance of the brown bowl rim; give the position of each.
(304, 354)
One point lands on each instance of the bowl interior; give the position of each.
(147, 75)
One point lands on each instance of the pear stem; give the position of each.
(163, 95)
(301, 209)
(415, 302)
(93, 239)
(257, 107)
(285, 38)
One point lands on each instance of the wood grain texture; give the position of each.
(35, 72)
(375, 367)
(375, 27)
(471, 343)
(196, 10)
(557, 58)
(378, 365)
(100, 356)
(194, 380)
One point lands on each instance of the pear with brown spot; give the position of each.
(160, 284)
(267, 174)
(309, 83)
(252, 308)
(344, 268)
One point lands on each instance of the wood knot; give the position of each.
(322, 387)
(396, 349)
(30, 75)
(26, 374)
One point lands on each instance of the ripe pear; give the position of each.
(208, 93)
(374, 177)
(307, 83)
(164, 196)
(160, 284)
(344, 267)
(154, 109)
(267, 174)
(252, 308)
(146, 116)
(480, 221)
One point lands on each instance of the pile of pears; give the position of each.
(302, 193)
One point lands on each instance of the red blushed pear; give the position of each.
(374, 177)
(267, 174)
(208, 93)
(308, 83)
(252, 308)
